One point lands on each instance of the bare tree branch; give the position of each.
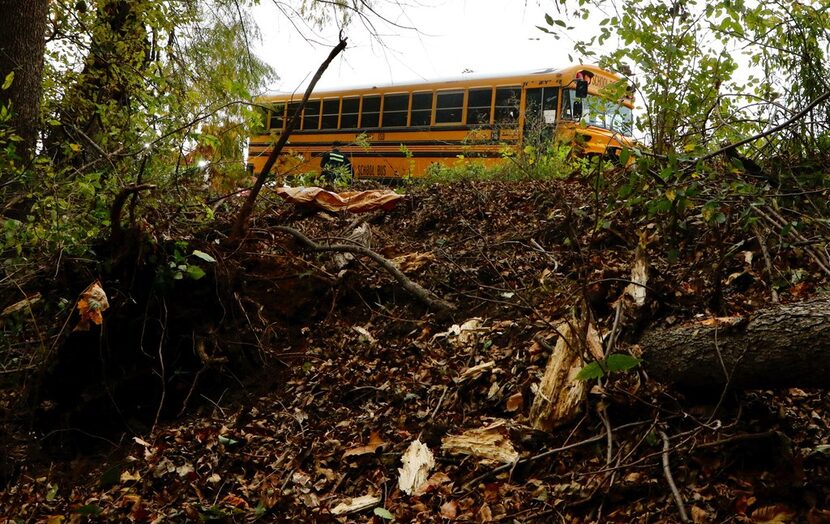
(241, 224)
(424, 295)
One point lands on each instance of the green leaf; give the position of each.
(225, 441)
(204, 256)
(621, 362)
(111, 476)
(592, 370)
(7, 83)
(548, 19)
(384, 513)
(89, 509)
(625, 154)
(195, 272)
(52, 493)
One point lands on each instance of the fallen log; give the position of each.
(778, 347)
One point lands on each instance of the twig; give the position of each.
(548, 453)
(684, 517)
(768, 132)
(118, 206)
(422, 294)
(608, 433)
(612, 337)
(440, 401)
(161, 362)
(767, 263)
(726, 374)
(779, 222)
(740, 438)
(241, 224)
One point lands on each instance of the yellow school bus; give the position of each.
(394, 131)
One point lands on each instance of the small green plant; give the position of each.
(182, 265)
(615, 363)
(341, 180)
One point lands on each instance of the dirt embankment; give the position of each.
(356, 370)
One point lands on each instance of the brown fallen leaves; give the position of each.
(375, 443)
(91, 305)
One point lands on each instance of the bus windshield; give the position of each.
(599, 112)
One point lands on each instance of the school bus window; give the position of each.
(395, 108)
(371, 111)
(421, 109)
(507, 104)
(448, 107)
(277, 119)
(331, 110)
(292, 108)
(349, 112)
(549, 98)
(478, 106)
(533, 108)
(540, 105)
(311, 115)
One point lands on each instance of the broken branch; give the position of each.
(425, 296)
(678, 499)
(241, 224)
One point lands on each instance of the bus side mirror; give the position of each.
(581, 88)
(577, 109)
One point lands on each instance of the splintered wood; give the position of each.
(356, 504)
(560, 396)
(417, 463)
(490, 443)
(636, 290)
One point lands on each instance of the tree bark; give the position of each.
(779, 347)
(113, 72)
(22, 44)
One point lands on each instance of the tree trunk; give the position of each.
(22, 44)
(100, 97)
(779, 347)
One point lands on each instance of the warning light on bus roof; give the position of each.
(583, 79)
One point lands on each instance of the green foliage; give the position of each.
(181, 266)
(616, 363)
(341, 180)
(134, 93)
(540, 159)
(384, 513)
(684, 57)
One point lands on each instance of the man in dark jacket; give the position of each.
(334, 164)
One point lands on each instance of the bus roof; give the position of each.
(465, 80)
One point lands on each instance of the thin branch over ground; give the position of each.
(241, 224)
(428, 298)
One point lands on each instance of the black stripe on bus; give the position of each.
(394, 143)
(359, 130)
(420, 154)
(397, 154)
(436, 154)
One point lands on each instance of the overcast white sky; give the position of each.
(452, 36)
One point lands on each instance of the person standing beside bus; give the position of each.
(334, 164)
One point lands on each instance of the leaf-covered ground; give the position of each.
(349, 370)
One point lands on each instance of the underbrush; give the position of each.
(533, 162)
(258, 335)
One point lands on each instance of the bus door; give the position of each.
(540, 113)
